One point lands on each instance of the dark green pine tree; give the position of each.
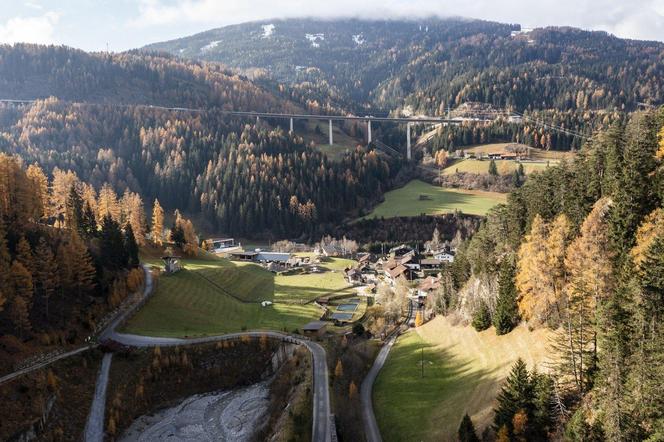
(543, 411)
(648, 359)
(75, 210)
(516, 394)
(177, 235)
(467, 430)
(131, 248)
(482, 317)
(113, 252)
(506, 316)
(614, 326)
(89, 222)
(493, 169)
(634, 195)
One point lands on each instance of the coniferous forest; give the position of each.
(580, 249)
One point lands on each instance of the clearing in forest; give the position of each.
(418, 197)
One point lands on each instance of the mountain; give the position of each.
(429, 65)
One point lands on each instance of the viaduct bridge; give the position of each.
(408, 121)
(291, 117)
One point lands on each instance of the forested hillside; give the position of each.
(425, 66)
(246, 179)
(66, 259)
(580, 248)
(37, 72)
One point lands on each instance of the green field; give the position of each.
(406, 201)
(463, 372)
(214, 295)
(505, 167)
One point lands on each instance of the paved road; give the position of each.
(371, 429)
(370, 425)
(321, 411)
(94, 429)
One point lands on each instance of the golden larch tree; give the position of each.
(39, 185)
(107, 203)
(157, 223)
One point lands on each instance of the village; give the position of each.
(397, 283)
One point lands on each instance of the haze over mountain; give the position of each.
(424, 66)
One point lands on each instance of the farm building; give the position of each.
(430, 264)
(171, 264)
(315, 328)
(223, 245)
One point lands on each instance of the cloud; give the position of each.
(634, 19)
(39, 29)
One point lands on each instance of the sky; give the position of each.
(118, 25)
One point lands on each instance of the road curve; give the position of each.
(321, 405)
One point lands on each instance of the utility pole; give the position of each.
(422, 348)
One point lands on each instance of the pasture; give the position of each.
(214, 295)
(463, 372)
(418, 197)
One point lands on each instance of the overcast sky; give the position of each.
(126, 24)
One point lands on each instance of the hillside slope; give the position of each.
(428, 65)
(463, 372)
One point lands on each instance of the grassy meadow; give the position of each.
(463, 372)
(214, 295)
(505, 167)
(406, 201)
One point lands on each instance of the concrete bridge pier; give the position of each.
(291, 125)
(368, 131)
(408, 155)
(331, 140)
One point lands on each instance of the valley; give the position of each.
(214, 237)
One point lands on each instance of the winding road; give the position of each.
(321, 400)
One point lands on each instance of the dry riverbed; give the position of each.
(234, 415)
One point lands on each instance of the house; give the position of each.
(243, 256)
(315, 328)
(171, 264)
(353, 276)
(428, 285)
(364, 258)
(223, 245)
(401, 250)
(329, 250)
(393, 274)
(272, 257)
(447, 257)
(430, 264)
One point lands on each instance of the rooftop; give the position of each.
(315, 326)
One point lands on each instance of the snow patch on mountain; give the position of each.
(358, 39)
(208, 47)
(315, 39)
(268, 30)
